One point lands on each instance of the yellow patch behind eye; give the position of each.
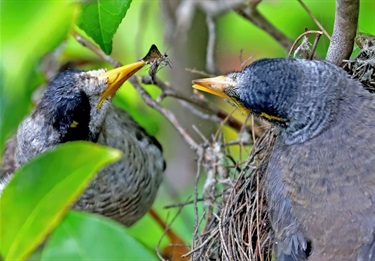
(271, 117)
(74, 124)
(239, 105)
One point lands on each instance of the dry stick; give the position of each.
(299, 38)
(344, 31)
(197, 223)
(177, 205)
(315, 20)
(195, 111)
(167, 231)
(210, 61)
(83, 41)
(201, 73)
(166, 113)
(213, 234)
(250, 13)
(315, 44)
(215, 8)
(226, 251)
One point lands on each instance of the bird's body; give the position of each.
(69, 111)
(126, 189)
(330, 181)
(320, 178)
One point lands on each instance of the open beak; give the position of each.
(116, 77)
(215, 85)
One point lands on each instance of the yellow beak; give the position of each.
(116, 77)
(215, 85)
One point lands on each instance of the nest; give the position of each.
(362, 67)
(237, 227)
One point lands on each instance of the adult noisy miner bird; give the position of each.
(320, 178)
(77, 106)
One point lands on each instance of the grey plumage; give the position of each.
(320, 178)
(69, 111)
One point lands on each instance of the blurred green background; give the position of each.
(32, 29)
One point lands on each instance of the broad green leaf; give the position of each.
(101, 18)
(43, 190)
(29, 29)
(85, 236)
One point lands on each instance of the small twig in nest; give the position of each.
(304, 35)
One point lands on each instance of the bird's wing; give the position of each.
(8, 165)
(291, 243)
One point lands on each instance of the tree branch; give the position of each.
(344, 31)
(250, 13)
(166, 113)
(84, 42)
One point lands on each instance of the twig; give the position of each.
(83, 41)
(214, 8)
(175, 240)
(251, 13)
(314, 19)
(344, 31)
(210, 61)
(202, 73)
(315, 44)
(213, 234)
(199, 164)
(299, 38)
(177, 205)
(166, 113)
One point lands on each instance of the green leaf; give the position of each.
(27, 34)
(43, 190)
(100, 20)
(85, 236)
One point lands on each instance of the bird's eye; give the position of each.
(231, 92)
(74, 124)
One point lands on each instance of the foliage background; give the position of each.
(31, 29)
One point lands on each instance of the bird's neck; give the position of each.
(97, 117)
(311, 125)
(316, 119)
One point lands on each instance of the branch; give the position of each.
(305, 34)
(210, 61)
(251, 13)
(84, 42)
(344, 31)
(166, 113)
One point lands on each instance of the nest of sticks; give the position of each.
(362, 67)
(236, 224)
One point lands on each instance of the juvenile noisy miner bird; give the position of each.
(77, 106)
(320, 179)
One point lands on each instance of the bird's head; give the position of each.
(301, 96)
(75, 102)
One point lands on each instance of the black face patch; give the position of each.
(67, 108)
(72, 118)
